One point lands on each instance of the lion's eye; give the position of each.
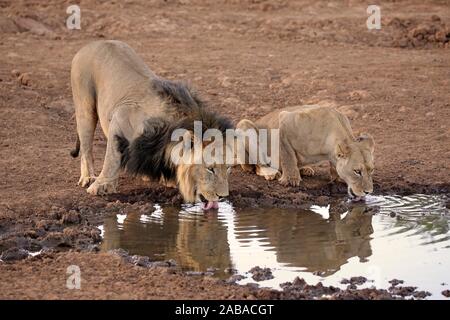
(357, 172)
(210, 170)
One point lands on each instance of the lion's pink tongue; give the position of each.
(210, 205)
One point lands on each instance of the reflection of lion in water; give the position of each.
(310, 134)
(307, 240)
(301, 239)
(138, 111)
(197, 243)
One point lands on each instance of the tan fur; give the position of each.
(310, 134)
(111, 84)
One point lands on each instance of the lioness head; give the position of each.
(355, 165)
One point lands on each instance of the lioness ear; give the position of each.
(366, 140)
(342, 150)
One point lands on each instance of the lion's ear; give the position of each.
(366, 140)
(342, 150)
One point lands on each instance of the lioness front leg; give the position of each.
(307, 171)
(290, 172)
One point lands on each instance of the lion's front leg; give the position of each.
(268, 173)
(107, 181)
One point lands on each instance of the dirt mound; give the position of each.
(411, 33)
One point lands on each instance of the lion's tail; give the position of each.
(75, 152)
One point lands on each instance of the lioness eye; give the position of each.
(210, 170)
(357, 172)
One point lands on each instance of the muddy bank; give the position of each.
(112, 276)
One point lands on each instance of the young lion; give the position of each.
(310, 134)
(138, 111)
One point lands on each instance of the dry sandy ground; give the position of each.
(246, 58)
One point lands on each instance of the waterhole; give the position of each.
(388, 237)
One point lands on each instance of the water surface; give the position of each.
(407, 238)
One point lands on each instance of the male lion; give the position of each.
(310, 134)
(138, 111)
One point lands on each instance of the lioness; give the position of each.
(310, 134)
(138, 111)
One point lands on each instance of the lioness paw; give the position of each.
(307, 171)
(102, 188)
(290, 181)
(85, 181)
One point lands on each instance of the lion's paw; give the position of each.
(268, 173)
(307, 171)
(102, 188)
(86, 181)
(290, 180)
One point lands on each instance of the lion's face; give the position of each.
(202, 182)
(355, 165)
(211, 182)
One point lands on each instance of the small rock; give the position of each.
(119, 252)
(252, 285)
(421, 294)
(140, 261)
(71, 217)
(235, 278)
(395, 282)
(354, 280)
(435, 18)
(15, 73)
(441, 36)
(261, 274)
(13, 254)
(230, 270)
(402, 291)
(7, 25)
(446, 293)
(24, 79)
(194, 273)
(35, 27)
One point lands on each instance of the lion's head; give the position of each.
(205, 181)
(207, 184)
(202, 168)
(355, 165)
(159, 155)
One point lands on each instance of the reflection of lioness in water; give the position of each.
(138, 111)
(310, 134)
